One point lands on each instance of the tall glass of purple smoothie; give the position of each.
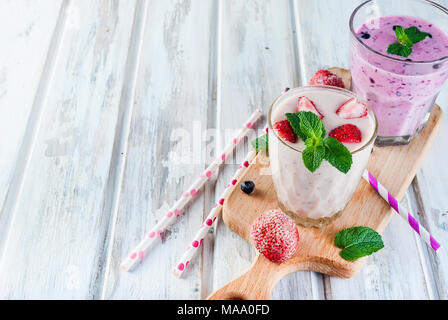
(401, 88)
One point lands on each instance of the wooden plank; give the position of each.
(431, 204)
(316, 250)
(27, 28)
(56, 235)
(333, 51)
(256, 62)
(165, 149)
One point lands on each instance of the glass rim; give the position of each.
(353, 33)
(312, 87)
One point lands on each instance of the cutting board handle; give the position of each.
(256, 284)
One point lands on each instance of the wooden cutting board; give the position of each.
(395, 168)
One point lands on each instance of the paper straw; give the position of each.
(401, 210)
(196, 242)
(138, 253)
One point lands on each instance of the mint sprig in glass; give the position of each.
(310, 128)
(406, 38)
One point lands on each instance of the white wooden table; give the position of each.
(98, 99)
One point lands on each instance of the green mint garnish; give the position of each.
(402, 37)
(358, 242)
(261, 142)
(337, 154)
(415, 35)
(311, 130)
(311, 125)
(294, 121)
(399, 50)
(312, 157)
(406, 40)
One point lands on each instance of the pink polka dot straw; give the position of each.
(196, 242)
(138, 253)
(379, 188)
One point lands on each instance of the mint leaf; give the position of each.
(406, 40)
(358, 242)
(415, 35)
(311, 125)
(306, 125)
(312, 157)
(294, 121)
(399, 50)
(337, 154)
(402, 37)
(261, 142)
(310, 128)
(314, 142)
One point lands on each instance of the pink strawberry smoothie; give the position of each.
(315, 199)
(401, 90)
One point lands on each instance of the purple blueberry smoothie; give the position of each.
(401, 90)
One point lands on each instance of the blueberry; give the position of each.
(436, 66)
(248, 187)
(365, 35)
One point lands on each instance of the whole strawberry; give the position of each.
(326, 78)
(275, 235)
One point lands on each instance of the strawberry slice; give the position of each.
(352, 109)
(347, 133)
(285, 131)
(305, 104)
(326, 78)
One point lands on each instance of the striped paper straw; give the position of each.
(139, 252)
(422, 232)
(194, 245)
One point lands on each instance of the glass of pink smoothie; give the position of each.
(315, 199)
(401, 90)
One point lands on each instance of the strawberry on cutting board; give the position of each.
(275, 235)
